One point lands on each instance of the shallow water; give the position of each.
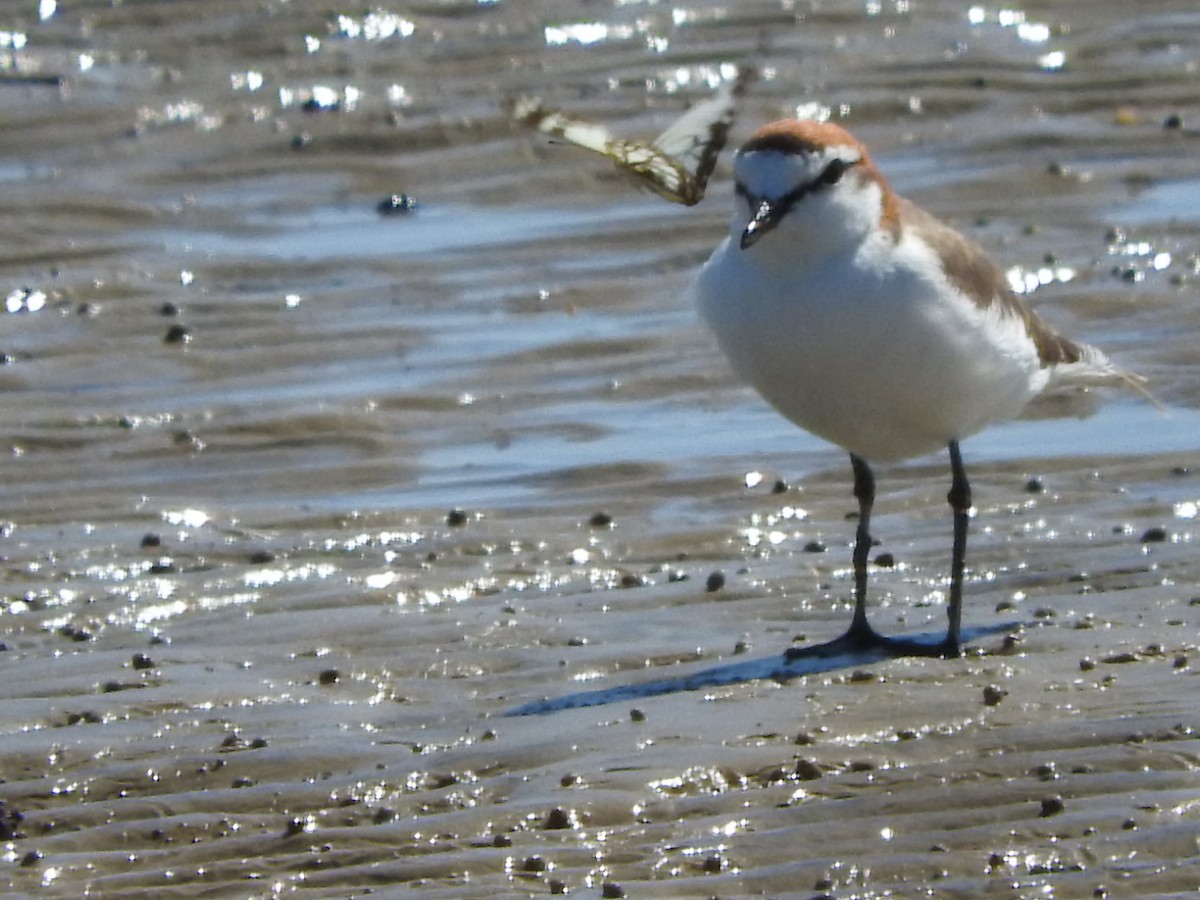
(302, 502)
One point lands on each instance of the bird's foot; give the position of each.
(863, 639)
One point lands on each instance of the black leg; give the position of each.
(861, 637)
(960, 504)
(864, 492)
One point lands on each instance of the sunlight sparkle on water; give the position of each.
(1053, 60)
(375, 26)
(586, 33)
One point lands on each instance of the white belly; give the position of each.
(888, 363)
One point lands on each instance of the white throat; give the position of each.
(831, 219)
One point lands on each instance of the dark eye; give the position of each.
(833, 172)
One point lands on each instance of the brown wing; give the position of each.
(972, 271)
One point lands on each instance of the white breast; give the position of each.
(873, 350)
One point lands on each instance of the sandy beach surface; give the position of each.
(434, 551)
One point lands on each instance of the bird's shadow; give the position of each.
(776, 668)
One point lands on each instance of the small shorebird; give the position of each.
(855, 313)
(871, 324)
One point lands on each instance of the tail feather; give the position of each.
(1088, 366)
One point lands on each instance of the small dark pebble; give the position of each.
(257, 744)
(558, 820)
(1011, 643)
(1173, 121)
(677, 575)
(610, 890)
(1087, 664)
(1129, 825)
(313, 105)
(804, 739)
(557, 886)
(261, 557)
(993, 694)
(502, 840)
(177, 334)
(1126, 656)
(570, 780)
(780, 487)
(996, 861)
(186, 439)
(533, 863)
(632, 580)
(715, 581)
(242, 782)
(294, 826)
(168, 310)
(1051, 806)
(161, 567)
(76, 634)
(386, 814)
(1101, 892)
(329, 676)
(1155, 535)
(885, 561)
(637, 715)
(142, 661)
(1046, 772)
(713, 864)
(456, 518)
(1034, 486)
(1181, 662)
(301, 140)
(30, 858)
(600, 520)
(807, 770)
(814, 547)
(87, 717)
(396, 203)
(151, 540)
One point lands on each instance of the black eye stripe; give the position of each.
(831, 174)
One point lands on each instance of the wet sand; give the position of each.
(438, 552)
